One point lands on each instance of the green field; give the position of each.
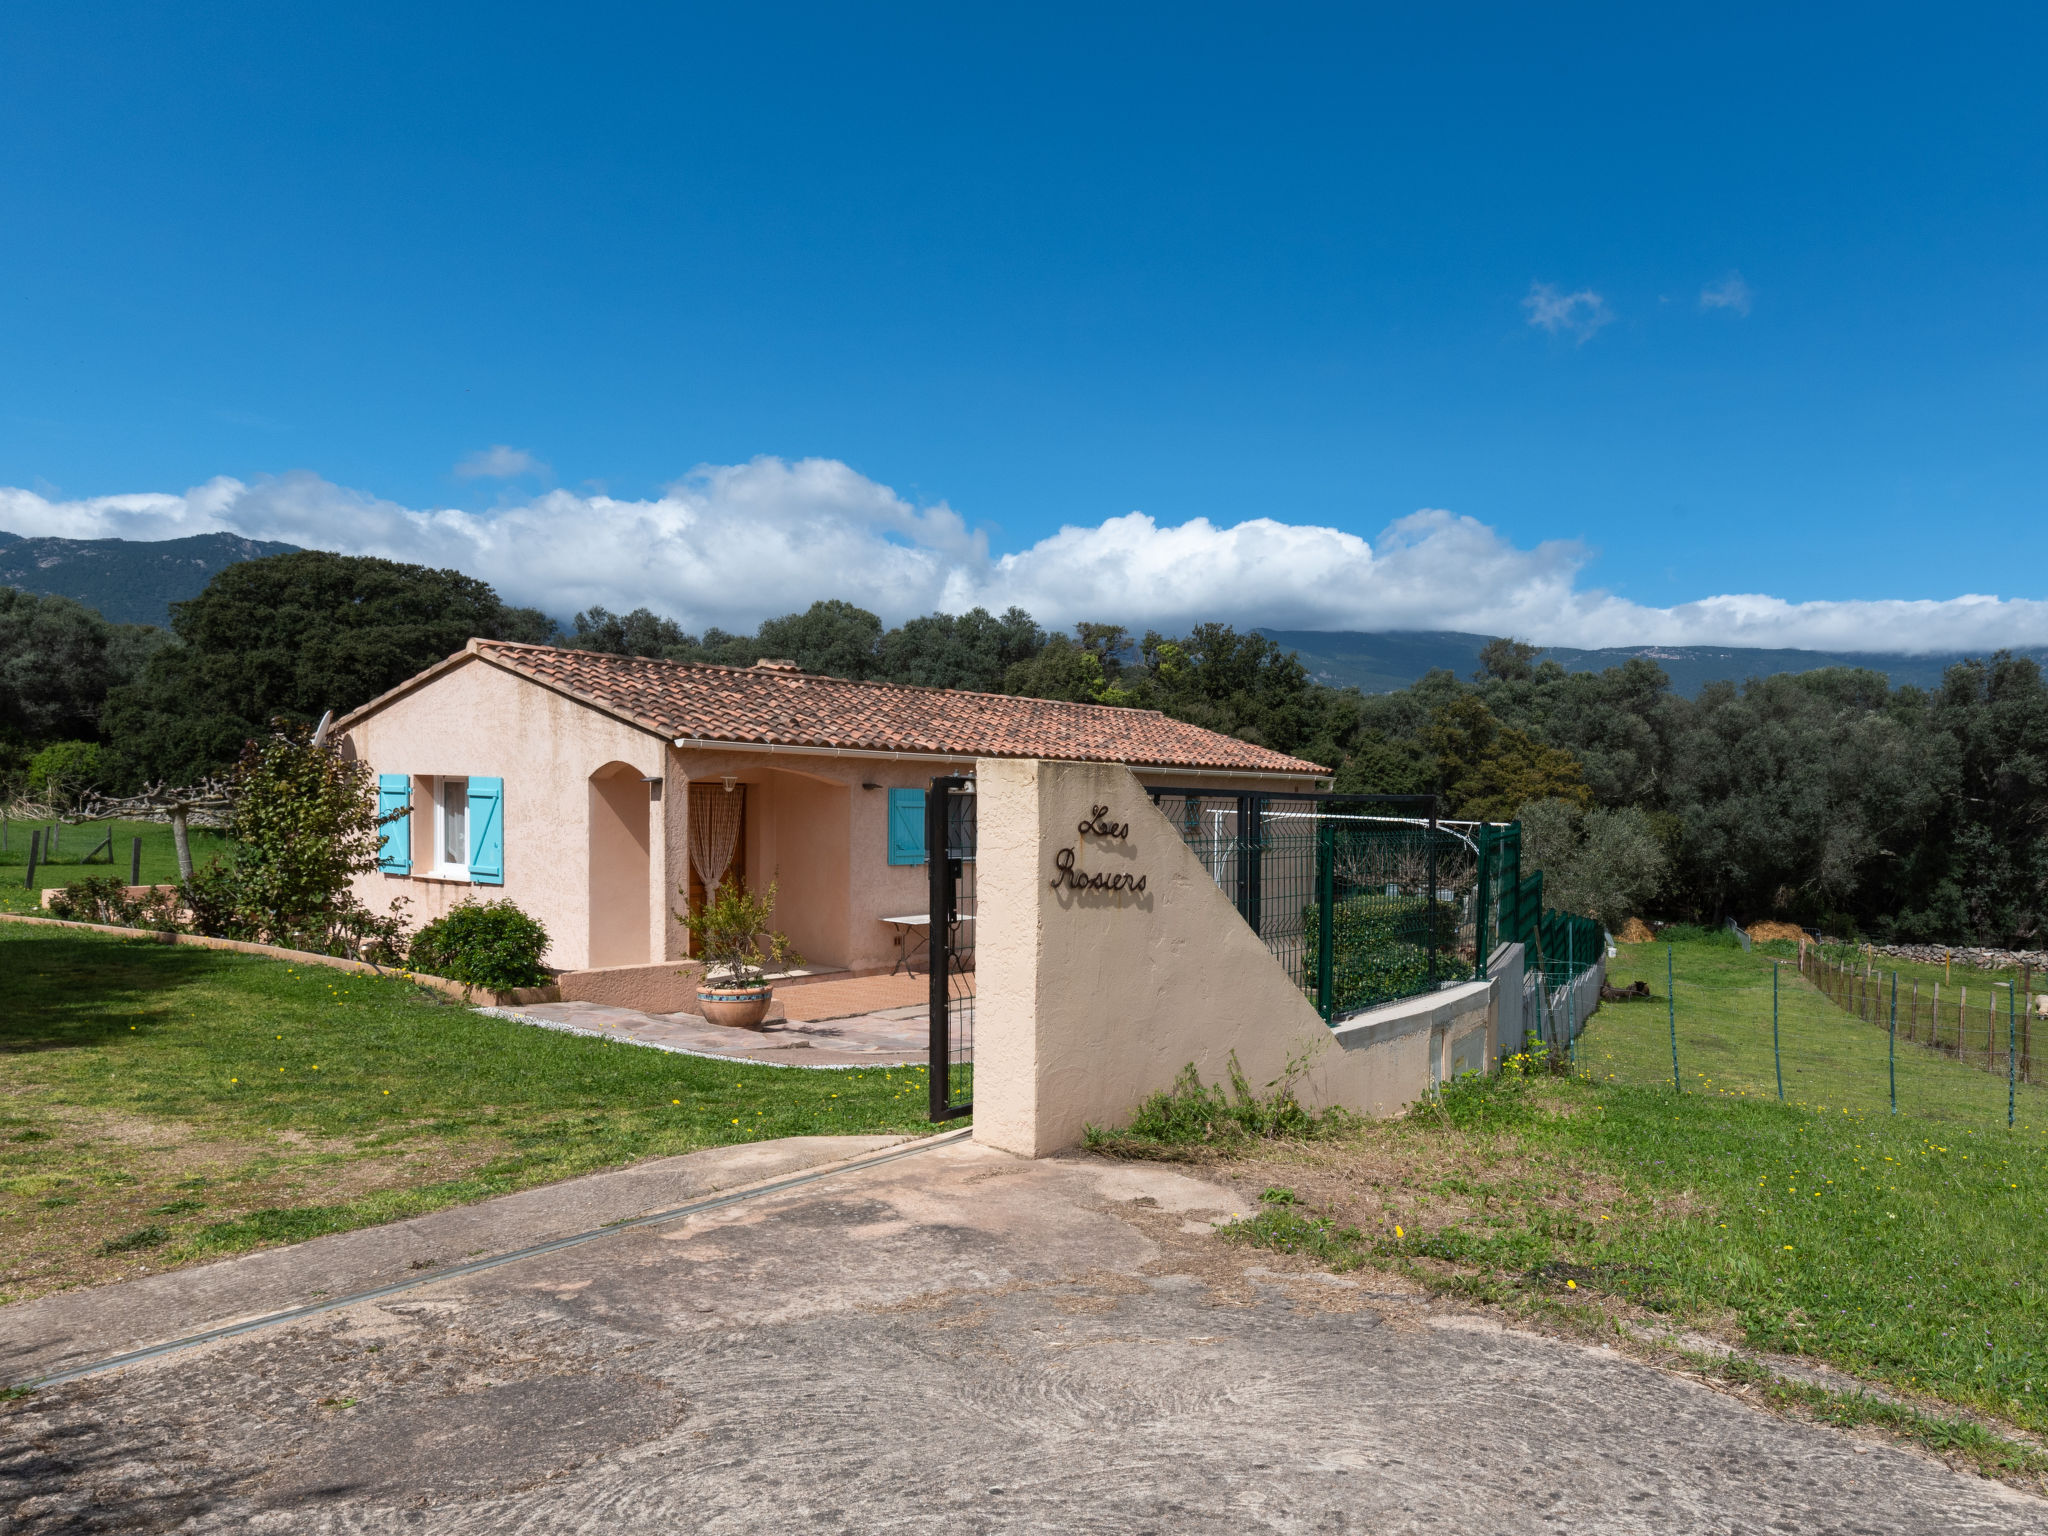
(1904, 1253)
(163, 1104)
(159, 857)
(1831, 1060)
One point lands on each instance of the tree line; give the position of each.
(1828, 798)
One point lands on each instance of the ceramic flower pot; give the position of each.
(736, 1007)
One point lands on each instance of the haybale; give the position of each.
(1763, 933)
(1634, 931)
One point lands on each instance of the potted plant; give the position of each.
(731, 930)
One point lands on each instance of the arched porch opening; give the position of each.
(620, 879)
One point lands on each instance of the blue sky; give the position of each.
(1741, 301)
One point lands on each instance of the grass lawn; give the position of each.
(1830, 1057)
(161, 1105)
(159, 856)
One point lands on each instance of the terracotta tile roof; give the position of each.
(784, 707)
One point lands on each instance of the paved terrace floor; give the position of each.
(954, 1343)
(861, 1021)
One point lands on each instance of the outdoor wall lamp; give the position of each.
(729, 780)
(653, 784)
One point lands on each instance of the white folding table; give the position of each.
(905, 927)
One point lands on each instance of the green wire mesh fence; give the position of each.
(1368, 899)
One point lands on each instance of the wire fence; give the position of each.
(1364, 900)
(1712, 1021)
(1368, 899)
(1509, 909)
(1993, 1032)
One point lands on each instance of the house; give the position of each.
(602, 792)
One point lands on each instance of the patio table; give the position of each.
(904, 927)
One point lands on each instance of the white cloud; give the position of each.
(732, 544)
(498, 462)
(1577, 314)
(1730, 293)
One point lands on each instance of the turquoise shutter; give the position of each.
(487, 831)
(394, 850)
(906, 826)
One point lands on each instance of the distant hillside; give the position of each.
(129, 581)
(1384, 662)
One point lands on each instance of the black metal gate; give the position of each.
(949, 850)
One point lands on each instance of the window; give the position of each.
(451, 828)
(456, 825)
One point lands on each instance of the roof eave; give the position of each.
(893, 754)
(484, 652)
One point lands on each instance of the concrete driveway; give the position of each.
(951, 1341)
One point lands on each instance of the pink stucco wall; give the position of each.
(579, 857)
(478, 720)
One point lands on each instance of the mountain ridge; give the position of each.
(1384, 661)
(128, 581)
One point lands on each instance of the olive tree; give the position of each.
(1604, 864)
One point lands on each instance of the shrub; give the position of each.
(98, 899)
(305, 822)
(483, 944)
(104, 899)
(210, 896)
(1380, 948)
(64, 772)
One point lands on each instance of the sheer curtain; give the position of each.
(715, 813)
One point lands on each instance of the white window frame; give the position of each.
(437, 792)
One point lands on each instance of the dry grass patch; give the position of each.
(1850, 1273)
(88, 1196)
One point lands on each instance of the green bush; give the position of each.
(1381, 948)
(105, 899)
(97, 899)
(483, 944)
(64, 772)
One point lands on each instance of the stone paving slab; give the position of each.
(892, 1038)
(954, 1342)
